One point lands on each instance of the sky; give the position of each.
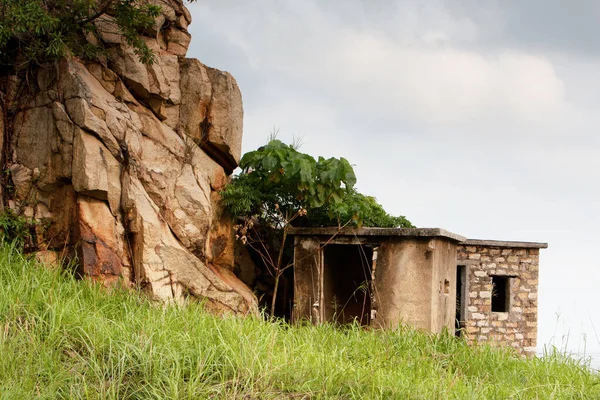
(476, 116)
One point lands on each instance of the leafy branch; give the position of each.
(35, 32)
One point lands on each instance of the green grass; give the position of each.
(62, 338)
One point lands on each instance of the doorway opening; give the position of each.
(347, 283)
(461, 299)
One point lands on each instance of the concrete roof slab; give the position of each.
(504, 243)
(371, 232)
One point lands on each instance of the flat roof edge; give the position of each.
(504, 243)
(368, 232)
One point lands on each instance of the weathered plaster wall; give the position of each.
(443, 290)
(307, 276)
(403, 284)
(518, 326)
(415, 283)
(414, 275)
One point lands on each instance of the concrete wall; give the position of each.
(415, 283)
(307, 278)
(518, 326)
(403, 281)
(443, 292)
(414, 276)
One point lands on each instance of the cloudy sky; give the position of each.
(477, 116)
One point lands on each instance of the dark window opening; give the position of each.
(347, 283)
(500, 293)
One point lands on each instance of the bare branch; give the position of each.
(103, 8)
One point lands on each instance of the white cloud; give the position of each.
(446, 85)
(422, 76)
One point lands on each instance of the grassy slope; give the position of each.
(60, 338)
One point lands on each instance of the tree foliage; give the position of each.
(362, 210)
(277, 181)
(34, 32)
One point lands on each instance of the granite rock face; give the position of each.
(121, 163)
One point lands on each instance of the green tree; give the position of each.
(38, 33)
(35, 32)
(280, 187)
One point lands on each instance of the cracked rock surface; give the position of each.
(122, 163)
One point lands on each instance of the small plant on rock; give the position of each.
(16, 229)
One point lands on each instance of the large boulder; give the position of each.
(209, 96)
(122, 164)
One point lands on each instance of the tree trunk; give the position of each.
(278, 270)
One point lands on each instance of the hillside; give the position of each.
(62, 338)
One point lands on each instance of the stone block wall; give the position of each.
(519, 263)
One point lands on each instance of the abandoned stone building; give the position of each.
(429, 278)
